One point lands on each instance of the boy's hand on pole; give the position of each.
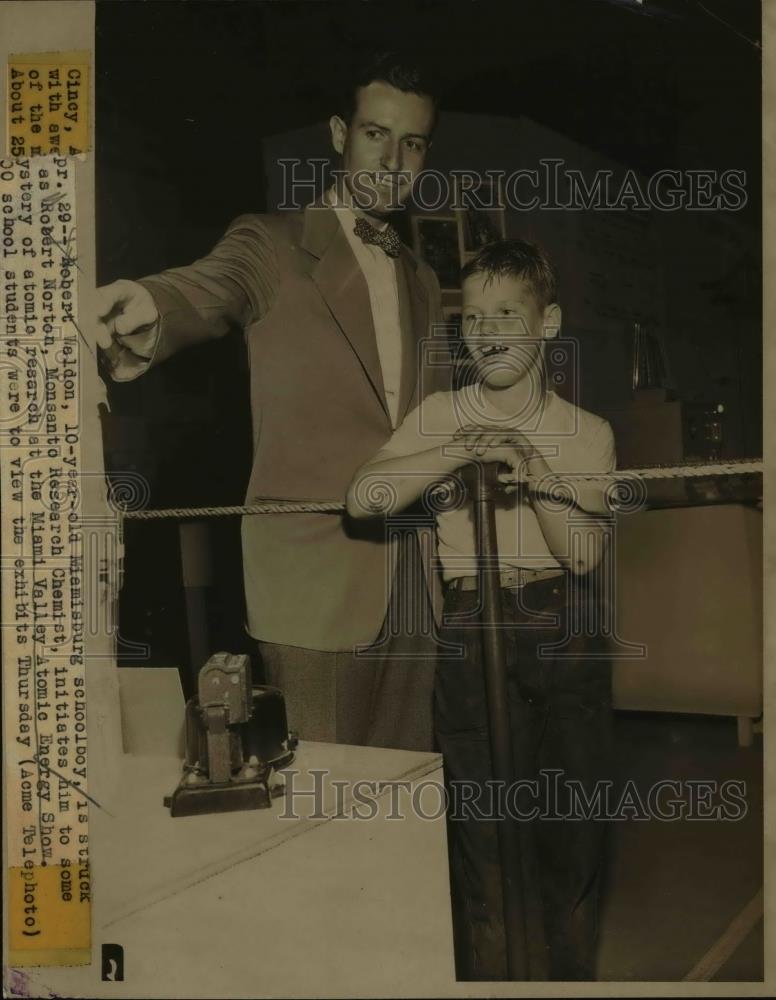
(505, 455)
(511, 447)
(479, 439)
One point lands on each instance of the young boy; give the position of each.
(560, 702)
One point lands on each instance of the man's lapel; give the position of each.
(343, 287)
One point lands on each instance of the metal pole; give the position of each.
(501, 750)
(197, 577)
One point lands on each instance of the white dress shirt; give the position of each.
(379, 271)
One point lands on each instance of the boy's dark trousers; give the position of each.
(560, 708)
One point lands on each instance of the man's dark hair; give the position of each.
(516, 259)
(398, 69)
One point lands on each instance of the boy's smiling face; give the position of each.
(503, 327)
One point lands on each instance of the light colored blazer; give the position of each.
(291, 281)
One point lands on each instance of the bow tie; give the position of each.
(387, 239)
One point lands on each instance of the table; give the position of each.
(256, 904)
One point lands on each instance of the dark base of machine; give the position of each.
(189, 800)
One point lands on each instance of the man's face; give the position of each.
(384, 147)
(503, 328)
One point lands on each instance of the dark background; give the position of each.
(186, 91)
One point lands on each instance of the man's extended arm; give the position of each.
(142, 323)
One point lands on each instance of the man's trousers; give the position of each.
(380, 696)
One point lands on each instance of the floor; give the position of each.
(674, 887)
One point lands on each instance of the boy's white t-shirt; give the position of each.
(571, 439)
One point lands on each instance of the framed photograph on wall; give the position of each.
(436, 239)
(480, 211)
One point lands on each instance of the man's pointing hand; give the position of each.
(126, 315)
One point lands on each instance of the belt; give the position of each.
(510, 578)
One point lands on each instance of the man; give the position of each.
(334, 309)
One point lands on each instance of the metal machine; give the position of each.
(237, 739)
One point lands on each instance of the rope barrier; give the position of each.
(261, 507)
(745, 466)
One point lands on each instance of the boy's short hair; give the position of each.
(399, 69)
(516, 259)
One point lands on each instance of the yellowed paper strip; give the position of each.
(52, 908)
(48, 104)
